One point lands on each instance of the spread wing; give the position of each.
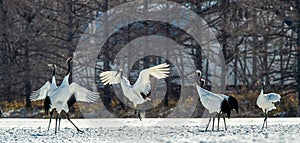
(224, 96)
(40, 93)
(110, 77)
(142, 85)
(113, 77)
(82, 94)
(273, 97)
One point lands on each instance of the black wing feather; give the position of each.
(145, 95)
(233, 103)
(47, 104)
(225, 108)
(71, 101)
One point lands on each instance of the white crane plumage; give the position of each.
(140, 91)
(64, 96)
(213, 102)
(44, 91)
(266, 102)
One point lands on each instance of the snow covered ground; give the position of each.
(150, 130)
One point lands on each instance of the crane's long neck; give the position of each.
(53, 72)
(199, 81)
(202, 83)
(262, 89)
(69, 70)
(69, 66)
(53, 75)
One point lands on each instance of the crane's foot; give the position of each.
(140, 117)
(80, 131)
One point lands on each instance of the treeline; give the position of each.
(259, 40)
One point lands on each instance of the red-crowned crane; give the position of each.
(266, 102)
(64, 96)
(44, 91)
(140, 91)
(213, 102)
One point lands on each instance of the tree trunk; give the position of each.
(107, 99)
(235, 67)
(27, 63)
(254, 61)
(224, 24)
(169, 91)
(70, 34)
(298, 56)
(198, 55)
(265, 69)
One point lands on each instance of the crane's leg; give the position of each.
(59, 119)
(208, 122)
(224, 122)
(213, 121)
(51, 113)
(56, 123)
(139, 115)
(218, 120)
(264, 119)
(74, 124)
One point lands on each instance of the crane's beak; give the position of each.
(70, 58)
(51, 65)
(73, 60)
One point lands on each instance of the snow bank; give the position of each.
(150, 130)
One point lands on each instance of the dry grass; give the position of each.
(287, 107)
(247, 102)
